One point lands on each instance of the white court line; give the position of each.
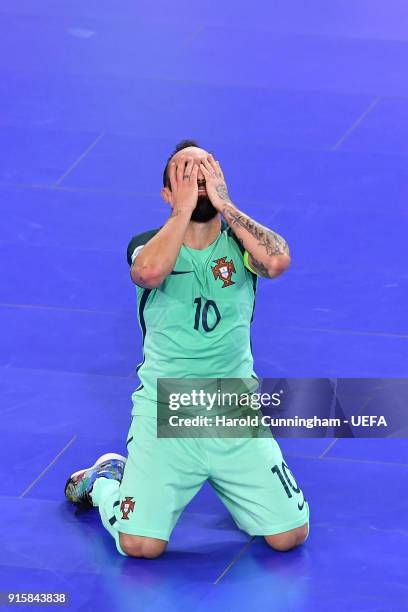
(129, 193)
(73, 189)
(61, 308)
(80, 158)
(332, 408)
(183, 49)
(322, 525)
(235, 559)
(332, 443)
(45, 470)
(365, 461)
(343, 331)
(357, 122)
(12, 367)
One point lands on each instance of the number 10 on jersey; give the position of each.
(202, 312)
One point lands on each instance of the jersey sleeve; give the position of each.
(137, 243)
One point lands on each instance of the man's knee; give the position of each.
(288, 539)
(140, 546)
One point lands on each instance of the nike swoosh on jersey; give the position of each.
(300, 506)
(181, 272)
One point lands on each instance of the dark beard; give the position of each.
(204, 211)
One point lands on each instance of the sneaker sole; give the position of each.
(101, 459)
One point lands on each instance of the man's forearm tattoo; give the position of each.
(223, 192)
(258, 266)
(273, 243)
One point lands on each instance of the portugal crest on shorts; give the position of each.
(127, 506)
(224, 270)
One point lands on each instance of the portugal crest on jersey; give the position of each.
(126, 507)
(224, 270)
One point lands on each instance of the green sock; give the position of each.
(105, 495)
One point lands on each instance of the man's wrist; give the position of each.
(180, 211)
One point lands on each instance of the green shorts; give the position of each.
(162, 475)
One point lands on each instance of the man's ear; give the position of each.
(166, 195)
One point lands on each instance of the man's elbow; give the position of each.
(148, 277)
(278, 265)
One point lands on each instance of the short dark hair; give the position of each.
(183, 144)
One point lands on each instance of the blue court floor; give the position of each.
(305, 104)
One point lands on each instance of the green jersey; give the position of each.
(196, 324)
